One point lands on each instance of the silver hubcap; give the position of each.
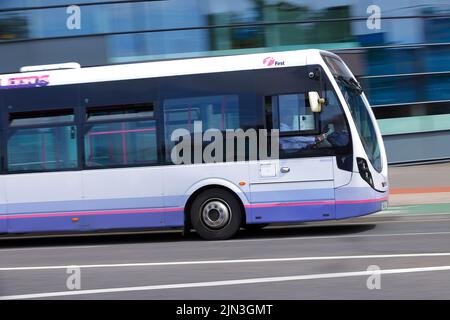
(216, 214)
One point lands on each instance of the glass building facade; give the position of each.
(403, 60)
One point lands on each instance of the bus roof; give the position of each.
(160, 69)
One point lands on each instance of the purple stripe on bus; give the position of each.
(174, 217)
(153, 210)
(84, 213)
(308, 203)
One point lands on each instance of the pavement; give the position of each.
(419, 184)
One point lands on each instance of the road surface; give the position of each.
(307, 261)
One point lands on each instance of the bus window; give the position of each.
(214, 112)
(120, 136)
(303, 132)
(294, 114)
(334, 124)
(42, 141)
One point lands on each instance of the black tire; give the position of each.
(216, 203)
(255, 226)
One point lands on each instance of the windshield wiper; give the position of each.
(350, 82)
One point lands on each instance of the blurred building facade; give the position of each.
(404, 64)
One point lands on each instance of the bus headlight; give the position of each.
(364, 171)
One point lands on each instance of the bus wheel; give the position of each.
(216, 214)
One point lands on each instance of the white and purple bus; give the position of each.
(89, 149)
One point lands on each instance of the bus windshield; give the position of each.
(352, 92)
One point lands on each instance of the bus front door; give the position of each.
(290, 190)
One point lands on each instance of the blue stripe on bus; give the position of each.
(51, 223)
(114, 213)
(175, 217)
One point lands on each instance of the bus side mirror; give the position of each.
(315, 101)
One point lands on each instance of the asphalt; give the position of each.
(409, 243)
(306, 261)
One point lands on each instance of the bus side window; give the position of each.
(41, 141)
(334, 123)
(120, 136)
(301, 130)
(290, 113)
(219, 112)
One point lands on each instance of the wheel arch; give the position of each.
(235, 191)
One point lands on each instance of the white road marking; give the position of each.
(337, 237)
(200, 262)
(222, 283)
